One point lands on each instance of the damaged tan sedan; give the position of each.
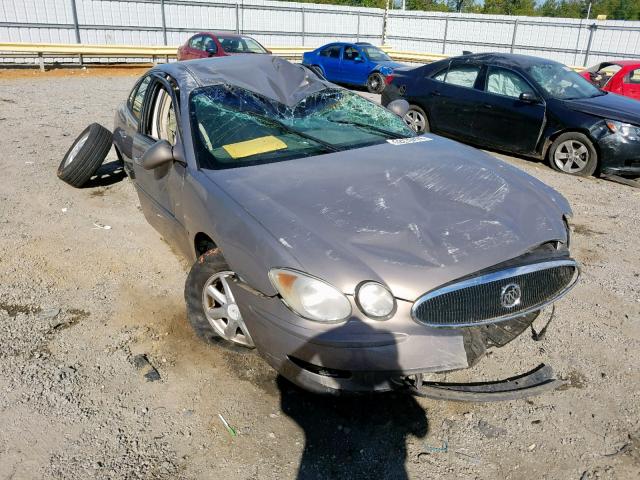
(350, 253)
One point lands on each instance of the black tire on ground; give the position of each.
(207, 265)
(573, 153)
(417, 119)
(375, 83)
(85, 155)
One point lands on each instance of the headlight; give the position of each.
(310, 297)
(375, 300)
(624, 129)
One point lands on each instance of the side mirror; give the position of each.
(529, 97)
(158, 154)
(358, 59)
(399, 106)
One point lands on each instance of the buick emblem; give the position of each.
(510, 295)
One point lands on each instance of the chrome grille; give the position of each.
(496, 296)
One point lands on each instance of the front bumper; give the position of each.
(619, 155)
(363, 355)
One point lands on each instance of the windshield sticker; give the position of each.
(404, 141)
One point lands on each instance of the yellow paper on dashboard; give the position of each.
(254, 147)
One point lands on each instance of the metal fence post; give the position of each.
(76, 25)
(164, 22)
(237, 18)
(358, 28)
(302, 9)
(513, 37)
(592, 29)
(444, 38)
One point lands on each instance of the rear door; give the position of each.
(503, 120)
(452, 102)
(330, 59)
(631, 84)
(159, 189)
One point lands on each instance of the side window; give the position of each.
(208, 45)
(197, 42)
(634, 76)
(350, 54)
(136, 100)
(462, 75)
(439, 76)
(505, 82)
(163, 122)
(333, 52)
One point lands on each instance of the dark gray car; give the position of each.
(351, 253)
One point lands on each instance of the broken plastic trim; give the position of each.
(534, 382)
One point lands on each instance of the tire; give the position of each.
(85, 155)
(211, 270)
(416, 118)
(375, 83)
(573, 153)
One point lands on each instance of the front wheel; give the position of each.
(573, 153)
(416, 118)
(211, 307)
(375, 83)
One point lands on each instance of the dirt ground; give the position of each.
(78, 302)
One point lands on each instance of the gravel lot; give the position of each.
(78, 303)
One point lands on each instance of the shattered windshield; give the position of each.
(235, 127)
(375, 54)
(561, 82)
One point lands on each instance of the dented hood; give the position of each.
(413, 216)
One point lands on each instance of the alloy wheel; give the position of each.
(571, 156)
(76, 148)
(415, 120)
(222, 311)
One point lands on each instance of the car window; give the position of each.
(234, 127)
(350, 54)
(197, 42)
(137, 96)
(505, 82)
(462, 75)
(634, 76)
(163, 120)
(333, 52)
(240, 44)
(375, 54)
(561, 82)
(439, 76)
(209, 45)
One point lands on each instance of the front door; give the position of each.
(631, 84)
(503, 120)
(159, 189)
(354, 68)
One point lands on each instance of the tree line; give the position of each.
(613, 9)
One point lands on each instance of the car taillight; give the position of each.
(388, 79)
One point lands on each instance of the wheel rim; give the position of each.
(76, 148)
(374, 82)
(415, 120)
(571, 156)
(222, 311)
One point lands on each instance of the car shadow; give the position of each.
(352, 436)
(108, 174)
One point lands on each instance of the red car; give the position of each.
(218, 44)
(618, 76)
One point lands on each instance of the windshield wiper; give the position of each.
(365, 126)
(327, 146)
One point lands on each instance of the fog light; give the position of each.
(375, 300)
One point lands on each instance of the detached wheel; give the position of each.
(375, 83)
(85, 155)
(211, 307)
(573, 153)
(416, 118)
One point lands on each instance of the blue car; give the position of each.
(352, 63)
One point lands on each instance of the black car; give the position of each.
(526, 105)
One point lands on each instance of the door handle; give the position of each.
(488, 106)
(436, 93)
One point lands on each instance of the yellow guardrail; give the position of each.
(153, 52)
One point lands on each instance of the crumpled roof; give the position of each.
(270, 76)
